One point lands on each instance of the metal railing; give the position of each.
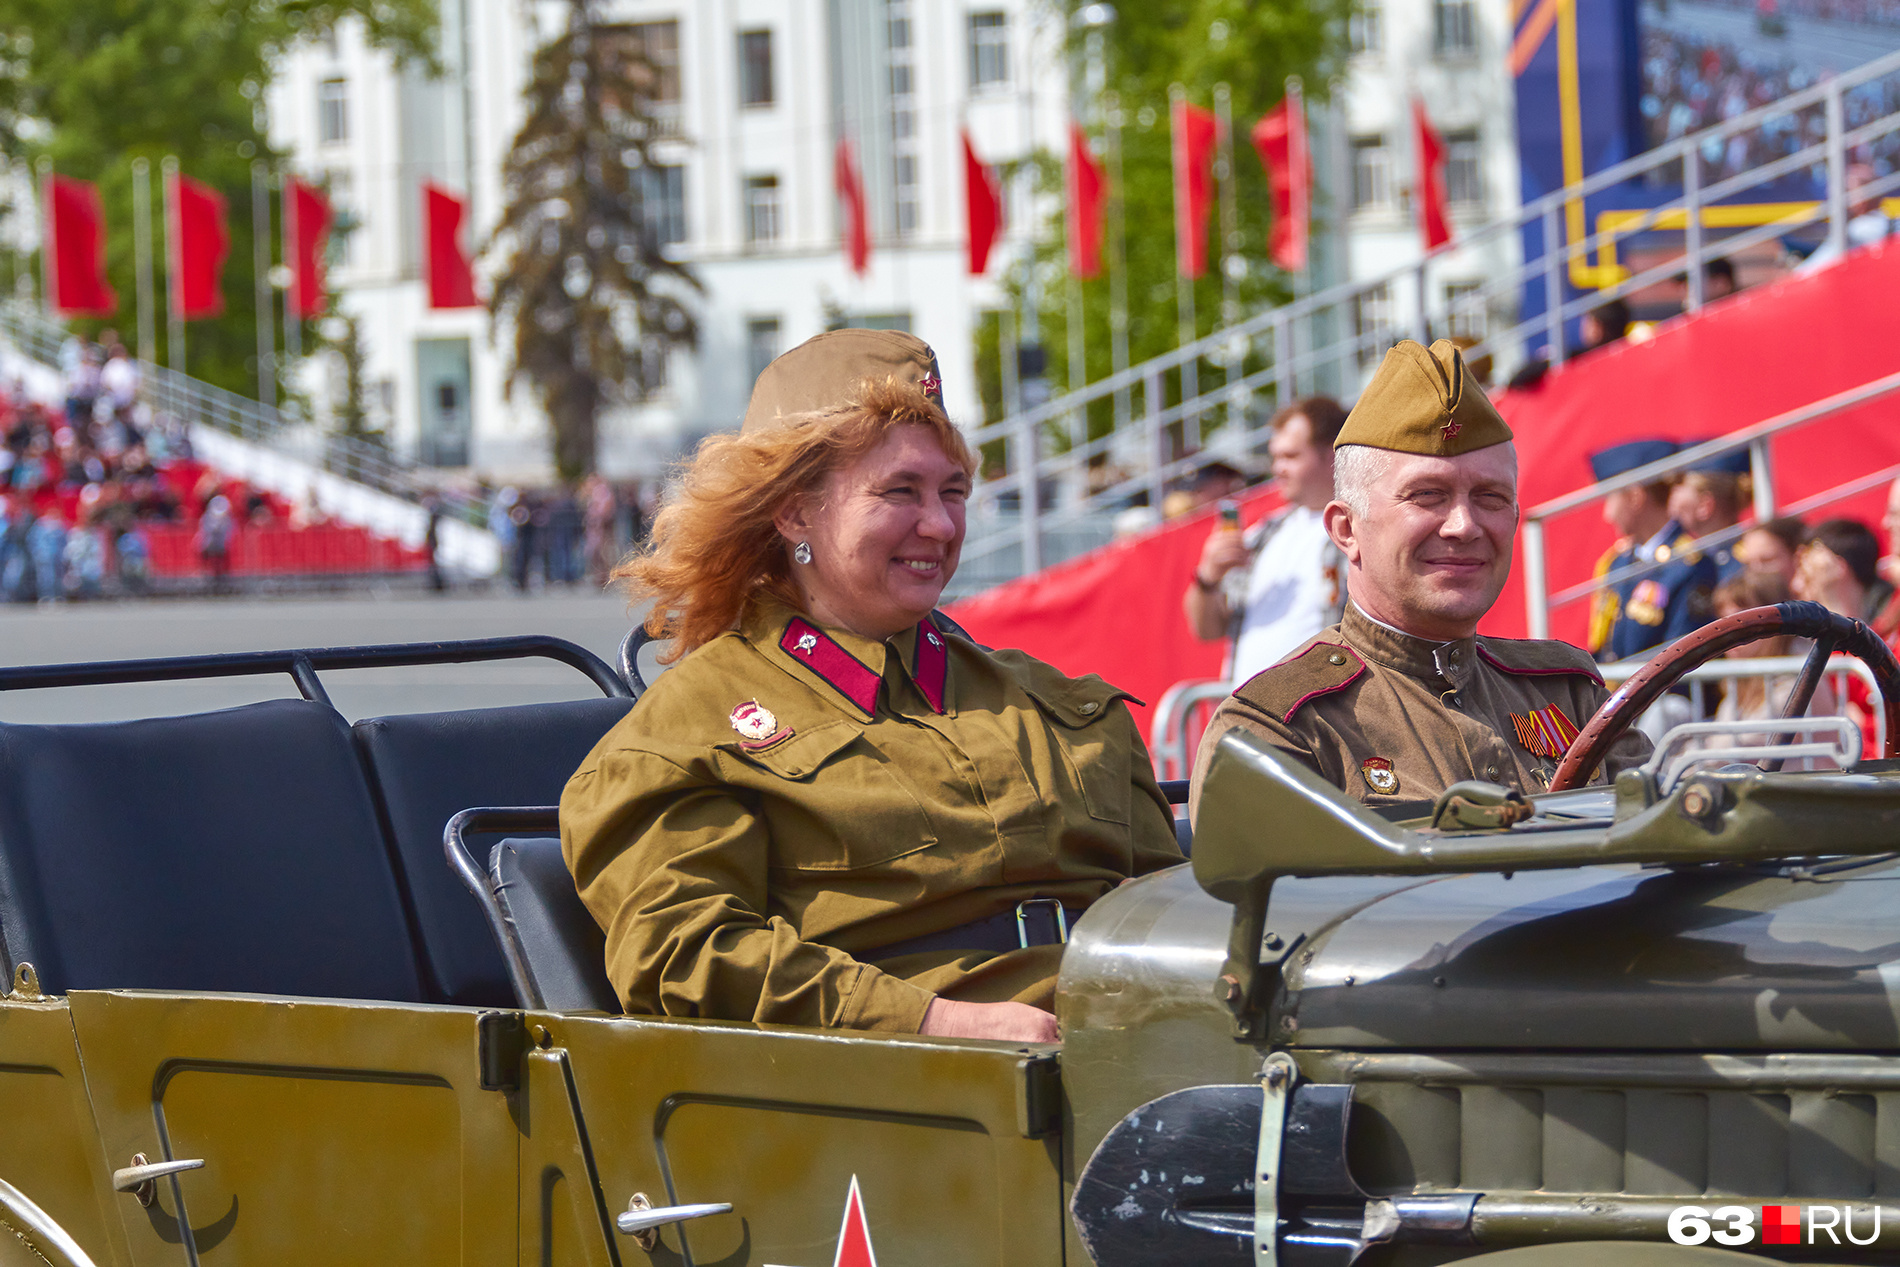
(1126, 437)
(192, 401)
(1184, 710)
(1539, 602)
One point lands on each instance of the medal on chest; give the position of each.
(1547, 732)
(1379, 775)
(757, 727)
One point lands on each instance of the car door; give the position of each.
(329, 1131)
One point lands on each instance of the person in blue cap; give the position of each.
(1661, 605)
(1709, 498)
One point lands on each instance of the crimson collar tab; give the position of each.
(854, 679)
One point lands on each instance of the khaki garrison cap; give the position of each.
(1424, 402)
(825, 370)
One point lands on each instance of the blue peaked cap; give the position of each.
(1734, 462)
(1621, 458)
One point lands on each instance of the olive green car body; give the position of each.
(1582, 1020)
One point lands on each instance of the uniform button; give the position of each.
(1090, 707)
(1335, 658)
(1491, 772)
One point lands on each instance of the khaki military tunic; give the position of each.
(788, 799)
(1392, 719)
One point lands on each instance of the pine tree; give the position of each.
(594, 304)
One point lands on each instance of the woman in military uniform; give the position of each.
(833, 809)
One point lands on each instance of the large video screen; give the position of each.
(1704, 61)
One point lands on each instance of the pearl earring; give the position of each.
(802, 552)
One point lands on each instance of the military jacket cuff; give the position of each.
(880, 1001)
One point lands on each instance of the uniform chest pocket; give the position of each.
(1096, 750)
(833, 800)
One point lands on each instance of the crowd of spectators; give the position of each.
(564, 536)
(1691, 83)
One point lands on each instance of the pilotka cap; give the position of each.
(1424, 401)
(825, 370)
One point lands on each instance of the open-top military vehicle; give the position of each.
(257, 1016)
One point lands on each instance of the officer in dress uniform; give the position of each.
(835, 809)
(1661, 605)
(1710, 498)
(1402, 699)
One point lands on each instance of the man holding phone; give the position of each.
(1275, 585)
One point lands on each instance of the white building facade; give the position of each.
(757, 95)
(1454, 56)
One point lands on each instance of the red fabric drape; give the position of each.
(1194, 135)
(1117, 611)
(76, 220)
(451, 276)
(857, 224)
(1280, 140)
(200, 239)
(1434, 207)
(309, 215)
(1087, 190)
(983, 208)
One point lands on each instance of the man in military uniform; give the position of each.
(1401, 699)
(1661, 605)
(1710, 498)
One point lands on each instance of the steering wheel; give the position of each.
(1829, 632)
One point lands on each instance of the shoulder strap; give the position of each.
(1319, 670)
(1527, 657)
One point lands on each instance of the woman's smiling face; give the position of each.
(885, 533)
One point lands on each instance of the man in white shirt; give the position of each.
(1280, 582)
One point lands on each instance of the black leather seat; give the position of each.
(563, 953)
(424, 767)
(235, 850)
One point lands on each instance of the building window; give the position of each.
(755, 68)
(1372, 322)
(340, 191)
(1365, 29)
(1371, 174)
(905, 198)
(663, 203)
(1464, 310)
(658, 43)
(1454, 27)
(333, 112)
(1464, 172)
(761, 344)
(989, 51)
(761, 209)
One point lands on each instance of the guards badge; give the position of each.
(758, 728)
(1379, 775)
(1545, 731)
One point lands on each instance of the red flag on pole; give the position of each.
(1280, 139)
(1194, 135)
(76, 249)
(1086, 199)
(309, 216)
(199, 240)
(451, 277)
(857, 223)
(1434, 208)
(983, 208)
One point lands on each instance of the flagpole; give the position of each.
(260, 283)
(47, 249)
(142, 256)
(293, 293)
(1224, 175)
(1117, 257)
(174, 305)
(1185, 324)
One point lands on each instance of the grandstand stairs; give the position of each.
(359, 487)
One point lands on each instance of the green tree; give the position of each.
(593, 304)
(1251, 47)
(108, 81)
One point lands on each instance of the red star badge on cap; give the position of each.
(1452, 428)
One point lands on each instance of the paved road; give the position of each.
(115, 631)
